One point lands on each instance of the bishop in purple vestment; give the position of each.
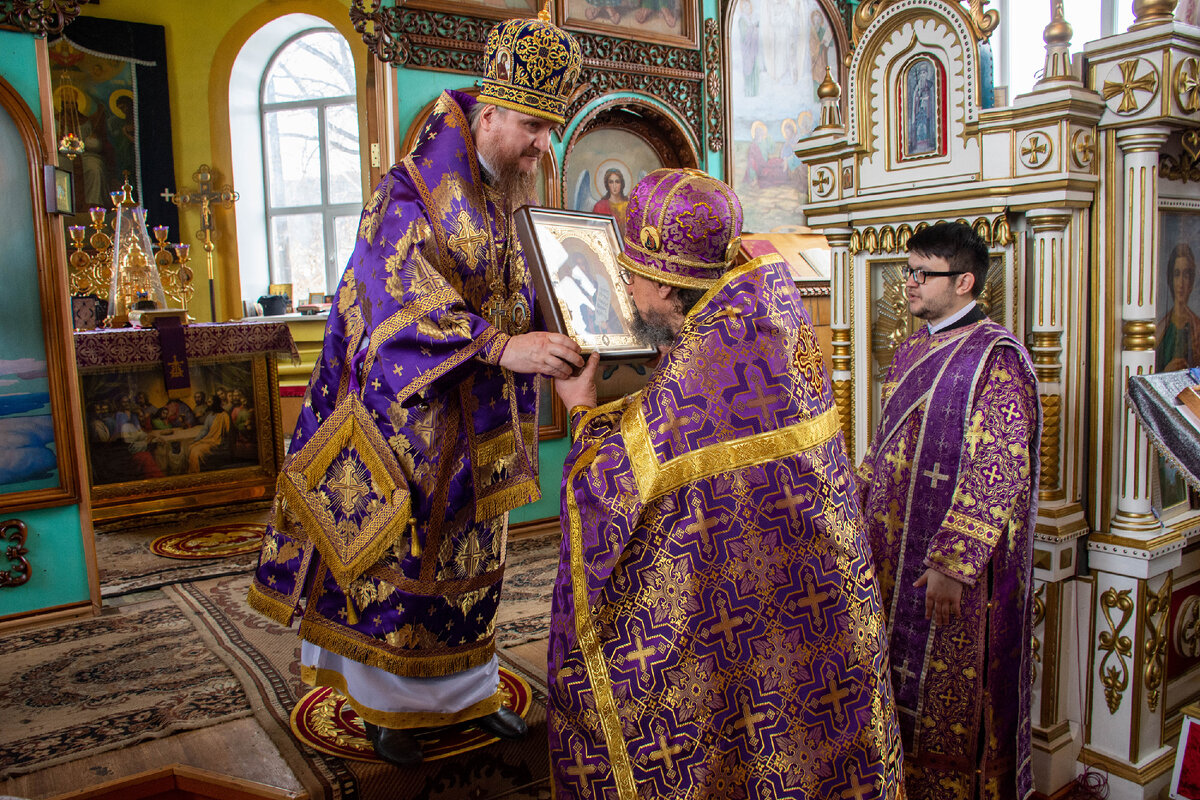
(419, 427)
(716, 630)
(949, 496)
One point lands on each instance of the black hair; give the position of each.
(960, 247)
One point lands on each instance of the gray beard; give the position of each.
(653, 329)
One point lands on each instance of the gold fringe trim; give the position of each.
(270, 607)
(527, 491)
(363, 649)
(400, 719)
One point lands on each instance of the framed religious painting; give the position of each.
(146, 445)
(604, 165)
(662, 21)
(1177, 328)
(777, 57)
(573, 260)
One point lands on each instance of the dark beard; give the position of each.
(653, 329)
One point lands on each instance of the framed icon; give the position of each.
(573, 258)
(60, 191)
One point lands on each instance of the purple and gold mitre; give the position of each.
(683, 228)
(532, 66)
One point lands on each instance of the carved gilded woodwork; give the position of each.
(1050, 444)
(1186, 627)
(1187, 85)
(982, 22)
(715, 112)
(888, 239)
(38, 17)
(1130, 86)
(445, 42)
(1157, 613)
(13, 532)
(1083, 149)
(1115, 678)
(1186, 167)
(1039, 615)
(1036, 150)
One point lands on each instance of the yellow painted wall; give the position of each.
(203, 38)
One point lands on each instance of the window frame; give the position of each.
(329, 211)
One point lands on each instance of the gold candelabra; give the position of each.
(91, 262)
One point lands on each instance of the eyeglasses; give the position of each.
(625, 275)
(919, 275)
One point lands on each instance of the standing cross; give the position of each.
(205, 196)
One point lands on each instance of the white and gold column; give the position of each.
(1060, 522)
(842, 355)
(1132, 563)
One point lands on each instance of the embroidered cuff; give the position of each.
(494, 348)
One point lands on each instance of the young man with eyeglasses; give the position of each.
(948, 494)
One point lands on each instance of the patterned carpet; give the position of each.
(193, 654)
(84, 687)
(263, 655)
(128, 565)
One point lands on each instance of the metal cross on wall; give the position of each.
(205, 196)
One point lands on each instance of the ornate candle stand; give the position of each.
(90, 263)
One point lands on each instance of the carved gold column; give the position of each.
(1132, 563)
(1047, 272)
(842, 355)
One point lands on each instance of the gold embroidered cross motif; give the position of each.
(899, 463)
(748, 721)
(176, 367)
(468, 238)
(857, 790)
(811, 600)
(835, 694)
(641, 653)
(349, 486)
(904, 672)
(976, 433)
(581, 770)
(665, 752)
(726, 626)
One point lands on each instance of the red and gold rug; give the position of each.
(324, 721)
(216, 541)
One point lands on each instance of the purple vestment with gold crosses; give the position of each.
(388, 535)
(716, 629)
(949, 483)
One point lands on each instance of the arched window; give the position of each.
(311, 161)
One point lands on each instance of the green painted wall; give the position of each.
(59, 575)
(18, 66)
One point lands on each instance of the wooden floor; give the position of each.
(238, 749)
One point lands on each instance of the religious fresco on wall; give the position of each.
(1177, 332)
(28, 454)
(667, 21)
(778, 52)
(602, 169)
(108, 81)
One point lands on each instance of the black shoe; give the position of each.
(502, 724)
(397, 747)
